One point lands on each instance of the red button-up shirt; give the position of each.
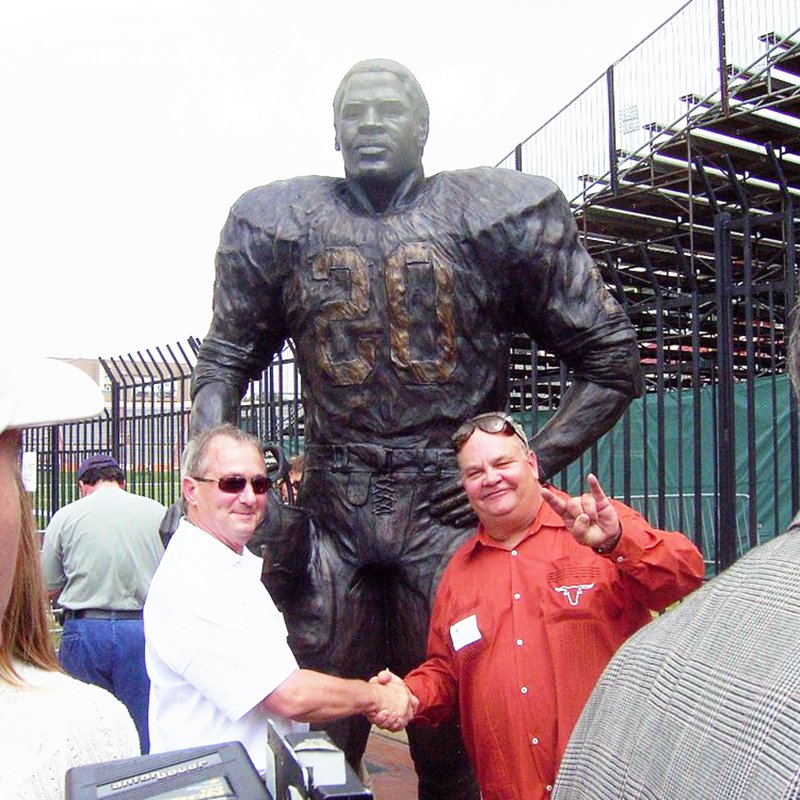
(519, 638)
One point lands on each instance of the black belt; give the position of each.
(101, 613)
(373, 457)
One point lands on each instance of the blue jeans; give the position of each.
(110, 653)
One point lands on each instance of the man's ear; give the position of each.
(534, 462)
(189, 490)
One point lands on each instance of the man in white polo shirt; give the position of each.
(216, 648)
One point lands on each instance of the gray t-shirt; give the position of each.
(103, 549)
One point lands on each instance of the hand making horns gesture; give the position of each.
(590, 518)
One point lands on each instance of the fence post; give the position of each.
(115, 412)
(790, 303)
(661, 472)
(55, 469)
(723, 59)
(612, 132)
(726, 444)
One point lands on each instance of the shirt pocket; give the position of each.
(576, 591)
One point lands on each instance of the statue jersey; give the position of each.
(402, 320)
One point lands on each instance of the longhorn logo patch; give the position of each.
(573, 593)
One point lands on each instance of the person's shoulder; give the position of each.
(497, 183)
(276, 197)
(771, 569)
(282, 208)
(755, 586)
(69, 723)
(146, 502)
(68, 693)
(185, 558)
(495, 199)
(72, 507)
(775, 562)
(126, 498)
(59, 515)
(99, 724)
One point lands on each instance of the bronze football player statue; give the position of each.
(401, 294)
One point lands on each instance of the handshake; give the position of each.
(396, 704)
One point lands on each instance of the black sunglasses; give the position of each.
(491, 422)
(234, 484)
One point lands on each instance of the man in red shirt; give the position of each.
(532, 607)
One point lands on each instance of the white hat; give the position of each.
(44, 391)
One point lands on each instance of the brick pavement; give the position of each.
(390, 767)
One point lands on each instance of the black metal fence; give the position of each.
(712, 447)
(145, 424)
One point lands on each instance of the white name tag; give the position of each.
(465, 632)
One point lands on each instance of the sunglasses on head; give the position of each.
(235, 484)
(491, 422)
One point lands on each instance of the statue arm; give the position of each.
(587, 411)
(568, 310)
(214, 403)
(247, 328)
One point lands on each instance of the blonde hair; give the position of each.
(25, 624)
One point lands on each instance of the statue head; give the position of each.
(381, 119)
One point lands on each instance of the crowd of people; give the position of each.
(529, 612)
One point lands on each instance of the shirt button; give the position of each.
(620, 559)
(517, 595)
(514, 552)
(548, 788)
(519, 642)
(534, 741)
(524, 690)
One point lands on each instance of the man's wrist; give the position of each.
(375, 700)
(609, 546)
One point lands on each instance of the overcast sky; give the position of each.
(131, 126)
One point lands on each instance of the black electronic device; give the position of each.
(212, 772)
(293, 781)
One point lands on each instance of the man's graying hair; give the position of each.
(194, 454)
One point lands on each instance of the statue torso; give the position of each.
(401, 320)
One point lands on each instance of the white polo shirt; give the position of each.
(215, 647)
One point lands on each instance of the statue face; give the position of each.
(377, 128)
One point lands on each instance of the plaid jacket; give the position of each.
(705, 702)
